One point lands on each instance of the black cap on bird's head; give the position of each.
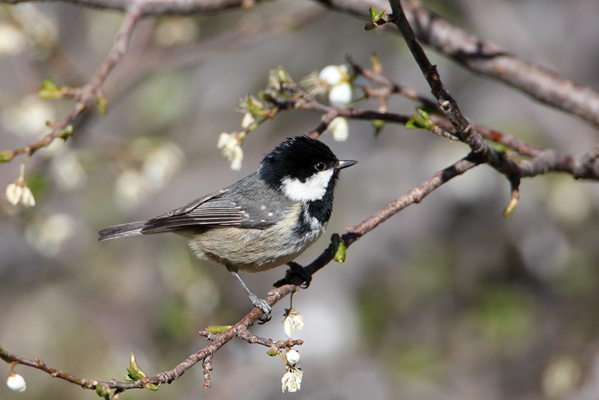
(301, 164)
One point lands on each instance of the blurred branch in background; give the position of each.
(332, 93)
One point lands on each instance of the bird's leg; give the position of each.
(254, 299)
(295, 271)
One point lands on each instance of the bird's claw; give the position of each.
(295, 271)
(262, 304)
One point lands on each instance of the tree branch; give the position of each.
(488, 59)
(92, 91)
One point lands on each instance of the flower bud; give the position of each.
(292, 356)
(16, 382)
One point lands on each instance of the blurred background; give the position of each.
(447, 300)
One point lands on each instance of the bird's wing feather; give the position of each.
(213, 210)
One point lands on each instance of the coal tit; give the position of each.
(264, 220)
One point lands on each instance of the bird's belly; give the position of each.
(251, 250)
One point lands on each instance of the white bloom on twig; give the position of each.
(339, 128)
(27, 198)
(248, 120)
(230, 146)
(14, 193)
(16, 382)
(292, 380)
(293, 321)
(341, 95)
(292, 356)
(18, 193)
(334, 74)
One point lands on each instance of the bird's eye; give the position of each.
(320, 166)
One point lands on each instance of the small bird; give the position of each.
(264, 220)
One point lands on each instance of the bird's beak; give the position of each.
(344, 164)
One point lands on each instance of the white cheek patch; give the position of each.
(314, 188)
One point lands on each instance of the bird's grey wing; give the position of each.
(215, 209)
(238, 205)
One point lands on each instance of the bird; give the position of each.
(264, 220)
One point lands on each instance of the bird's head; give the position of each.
(304, 169)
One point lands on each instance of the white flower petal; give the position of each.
(340, 95)
(339, 128)
(292, 380)
(27, 198)
(293, 321)
(16, 382)
(14, 193)
(331, 74)
(248, 120)
(292, 356)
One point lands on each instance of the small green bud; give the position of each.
(50, 90)
(66, 132)
(422, 121)
(134, 370)
(216, 329)
(273, 352)
(102, 391)
(511, 206)
(378, 126)
(339, 249)
(102, 105)
(370, 26)
(283, 76)
(6, 156)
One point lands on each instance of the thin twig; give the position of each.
(88, 94)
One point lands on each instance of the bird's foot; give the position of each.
(262, 304)
(295, 272)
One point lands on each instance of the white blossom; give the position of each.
(293, 321)
(12, 41)
(339, 128)
(129, 189)
(67, 171)
(16, 382)
(27, 198)
(47, 234)
(230, 146)
(29, 117)
(248, 120)
(340, 95)
(160, 165)
(334, 74)
(18, 193)
(292, 380)
(292, 356)
(14, 193)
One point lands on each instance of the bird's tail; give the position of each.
(121, 231)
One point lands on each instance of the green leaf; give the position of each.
(372, 13)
